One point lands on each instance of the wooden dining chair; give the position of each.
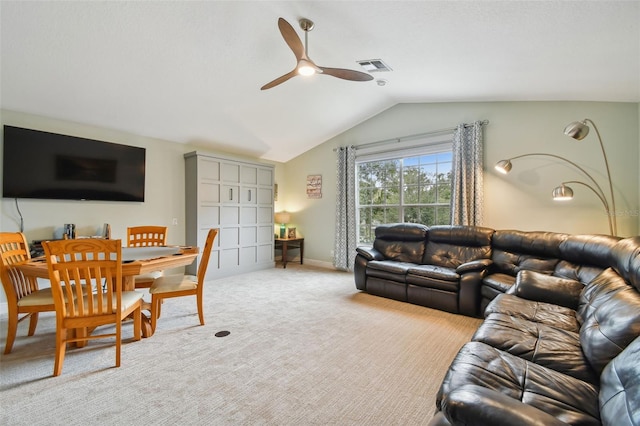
(182, 285)
(146, 236)
(23, 294)
(81, 308)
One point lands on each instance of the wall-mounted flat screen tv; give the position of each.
(47, 165)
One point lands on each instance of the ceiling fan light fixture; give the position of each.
(306, 69)
(305, 65)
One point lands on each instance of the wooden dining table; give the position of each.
(135, 261)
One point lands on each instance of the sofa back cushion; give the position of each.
(451, 246)
(609, 313)
(514, 251)
(402, 242)
(620, 388)
(626, 260)
(585, 256)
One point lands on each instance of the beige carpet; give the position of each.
(306, 348)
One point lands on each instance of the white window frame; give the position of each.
(401, 149)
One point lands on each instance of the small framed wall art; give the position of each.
(314, 186)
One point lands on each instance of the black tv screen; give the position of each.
(47, 165)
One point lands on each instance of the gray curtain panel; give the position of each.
(345, 237)
(467, 193)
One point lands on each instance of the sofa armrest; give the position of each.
(533, 285)
(474, 266)
(475, 405)
(369, 253)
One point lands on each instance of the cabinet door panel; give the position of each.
(249, 216)
(230, 172)
(208, 217)
(209, 192)
(265, 177)
(248, 195)
(230, 194)
(265, 253)
(229, 258)
(230, 215)
(265, 196)
(265, 215)
(265, 234)
(209, 169)
(248, 235)
(214, 264)
(249, 175)
(249, 256)
(229, 237)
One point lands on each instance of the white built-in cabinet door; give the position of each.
(235, 196)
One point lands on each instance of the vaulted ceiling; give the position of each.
(191, 71)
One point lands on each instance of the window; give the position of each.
(414, 188)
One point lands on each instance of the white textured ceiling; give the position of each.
(191, 71)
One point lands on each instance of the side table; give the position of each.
(286, 243)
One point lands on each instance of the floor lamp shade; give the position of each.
(577, 130)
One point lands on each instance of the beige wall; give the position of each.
(520, 200)
(164, 192)
(164, 189)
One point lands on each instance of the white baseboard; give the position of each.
(319, 263)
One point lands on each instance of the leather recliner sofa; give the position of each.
(559, 343)
(460, 269)
(554, 351)
(440, 267)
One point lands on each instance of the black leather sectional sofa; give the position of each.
(559, 343)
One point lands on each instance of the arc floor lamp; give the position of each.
(577, 130)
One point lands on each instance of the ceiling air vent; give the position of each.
(374, 65)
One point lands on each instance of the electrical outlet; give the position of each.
(175, 221)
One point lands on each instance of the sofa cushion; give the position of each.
(620, 388)
(402, 242)
(566, 398)
(610, 314)
(435, 277)
(516, 250)
(432, 271)
(545, 345)
(588, 249)
(389, 269)
(451, 246)
(531, 310)
(500, 282)
(626, 256)
(546, 288)
(575, 271)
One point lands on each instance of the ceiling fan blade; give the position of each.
(291, 38)
(347, 74)
(280, 80)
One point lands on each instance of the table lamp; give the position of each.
(282, 218)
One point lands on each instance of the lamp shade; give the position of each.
(282, 217)
(577, 130)
(562, 193)
(503, 166)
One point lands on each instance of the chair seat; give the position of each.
(129, 298)
(44, 296)
(148, 277)
(41, 297)
(171, 283)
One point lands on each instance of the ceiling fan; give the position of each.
(305, 65)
